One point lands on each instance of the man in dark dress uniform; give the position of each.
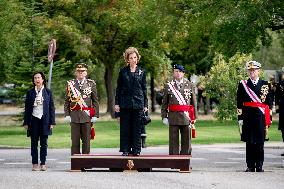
(81, 108)
(279, 104)
(178, 105)
(254, 115)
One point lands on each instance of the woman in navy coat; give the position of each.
(39, 118)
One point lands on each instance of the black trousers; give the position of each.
(282, 131)
(254, 155)
(143, 131)
(36, 135)
(130, 130)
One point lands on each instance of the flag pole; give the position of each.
(50, 74)
(50, 56)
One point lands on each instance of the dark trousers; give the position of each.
(143, 136)
(254, 155)
(80, 131)
(282, 131)
(130, 130)
(36, 131)
(174, 139)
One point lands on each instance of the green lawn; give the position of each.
(107, 134)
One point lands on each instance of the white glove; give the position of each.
(67, 119)
(241, 122)
(165, 121)
(94, 119)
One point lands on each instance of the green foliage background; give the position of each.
(221, 82)
(188, 32)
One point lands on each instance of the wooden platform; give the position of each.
(123, 163)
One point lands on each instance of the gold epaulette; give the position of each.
(90, 80)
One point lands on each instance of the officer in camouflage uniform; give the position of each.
(254, 115)
(179, 102)
(279, 104)
(81, 108)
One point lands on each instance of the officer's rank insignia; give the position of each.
(86, 92)
(264, 92)
(140, 72)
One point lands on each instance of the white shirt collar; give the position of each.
(179, 82)
(81, 82)
(39, 92)
(254, 81)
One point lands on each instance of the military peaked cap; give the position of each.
(81, 67)
(253, 65)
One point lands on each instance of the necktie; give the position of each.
(178, 85)
(80, 84)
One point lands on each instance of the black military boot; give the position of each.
(143, 141)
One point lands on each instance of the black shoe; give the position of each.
(259, 169)
(136, 154)
(282, 154)
(125, 154)
(249, 170)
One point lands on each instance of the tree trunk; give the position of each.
(109, 88)
(153, 109)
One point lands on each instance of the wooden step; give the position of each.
(81, 162)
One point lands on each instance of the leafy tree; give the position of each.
(227, 27)
(236, 26)
(221, 82)
(272, 57)
(18, 36)
(98, 32)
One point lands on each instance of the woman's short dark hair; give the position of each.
(42, 76)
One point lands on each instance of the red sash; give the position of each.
(93, 133)
(261, 105)
(183, 108)
(91, 110)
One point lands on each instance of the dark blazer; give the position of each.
(48, 117)
(131, 91)
(253, 118)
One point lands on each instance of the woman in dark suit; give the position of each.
(39, 118)
(131, 100)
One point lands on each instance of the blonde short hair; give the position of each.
(129, 51)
